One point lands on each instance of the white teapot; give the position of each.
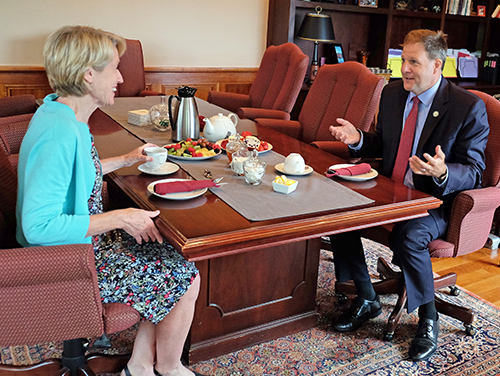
(219, 127)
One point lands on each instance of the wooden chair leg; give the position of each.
(48, 368)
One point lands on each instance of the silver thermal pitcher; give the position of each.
(184, 117)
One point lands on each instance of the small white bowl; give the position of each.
(282, 188)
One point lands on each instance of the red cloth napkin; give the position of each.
(358, 169)
(182, 186)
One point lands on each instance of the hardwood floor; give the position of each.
(477, 272)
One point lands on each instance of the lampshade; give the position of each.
(317, 27)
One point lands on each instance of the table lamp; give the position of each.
(317, 28)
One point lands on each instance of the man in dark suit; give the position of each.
(431, 136)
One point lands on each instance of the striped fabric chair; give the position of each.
(348, 90)
(275, 88)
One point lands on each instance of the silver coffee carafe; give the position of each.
(184, 116)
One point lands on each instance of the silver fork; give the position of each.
(208, 174)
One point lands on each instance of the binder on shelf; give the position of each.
(395, 64)
(450, 67)
(491, 69)
(467, 67)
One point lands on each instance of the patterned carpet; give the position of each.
(320, 352)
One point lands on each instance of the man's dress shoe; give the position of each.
(425, 343)
(359, 311)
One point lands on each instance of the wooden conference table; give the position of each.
(258, 278)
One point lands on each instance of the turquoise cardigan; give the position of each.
(56, 175)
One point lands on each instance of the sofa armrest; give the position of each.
(17, 105)
(471, 217)
(149, 93)
(229, 101)
(291, 128)
(254, 113)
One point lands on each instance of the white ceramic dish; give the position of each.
(181, 158)
(177, 195)
(282, 188)
(165, 169)
(280, 167)
(362, 177)
(260, 152)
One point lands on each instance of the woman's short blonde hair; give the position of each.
(72, 50)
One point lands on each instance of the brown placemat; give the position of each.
(314, 193)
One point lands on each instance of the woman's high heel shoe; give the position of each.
(159, 374)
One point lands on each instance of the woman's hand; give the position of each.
(137, 222)
(126, 160)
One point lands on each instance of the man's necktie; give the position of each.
(405, 144)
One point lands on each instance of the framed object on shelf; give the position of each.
(481, 10)
(336, 55)
(368, 3)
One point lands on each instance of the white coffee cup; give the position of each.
(294, 164)
(159, 156)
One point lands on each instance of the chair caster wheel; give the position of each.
(341, 298)
(454, 291)
(388, 336)
(469, 330)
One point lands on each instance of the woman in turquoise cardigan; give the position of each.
(59, 201)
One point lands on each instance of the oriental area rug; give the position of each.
(320, 352)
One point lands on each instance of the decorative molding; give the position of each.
(16, 80)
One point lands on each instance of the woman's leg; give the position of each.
(172, 331)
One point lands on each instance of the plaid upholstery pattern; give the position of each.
(276, 86)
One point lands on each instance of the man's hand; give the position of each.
(345, 132)
(435, 166)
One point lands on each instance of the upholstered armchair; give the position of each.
(132, 69)
(348, 90)
(468, 230)
(275, 88)
(51, 293)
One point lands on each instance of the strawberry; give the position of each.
(191, 149)
(177, 146)
(246, 134)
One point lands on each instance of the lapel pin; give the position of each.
(435, 114)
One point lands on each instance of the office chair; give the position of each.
(468, 230)
(132, 69)
(347, 90)
(50, 293)
(275, 88)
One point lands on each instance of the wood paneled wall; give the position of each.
(33, 80)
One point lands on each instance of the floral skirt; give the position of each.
(150, 277)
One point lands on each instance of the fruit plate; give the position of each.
(270, 147)
(181, 158)
(176, 195)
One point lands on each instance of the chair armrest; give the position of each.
(12, 131)
(291, 128)
(254, 113)
(471, 218)
(337, 148)
(17, 105)
(149, 93)
(229, 101)
(51, 288)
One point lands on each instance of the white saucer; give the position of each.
(165, 169)
(280, 168)
(361, 177)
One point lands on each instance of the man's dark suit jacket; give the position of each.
(457, 121)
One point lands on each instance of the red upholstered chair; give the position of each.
(275, 88)
(348, 90)
(17, 105)
(132, 69)
(51, 293)
(468, 230)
